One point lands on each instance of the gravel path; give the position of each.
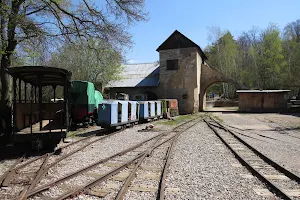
(203, 168)
(282, 148)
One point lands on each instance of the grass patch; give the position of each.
(218, 118)
(72, 133)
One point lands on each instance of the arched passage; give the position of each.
(210, 76)
(220, 96)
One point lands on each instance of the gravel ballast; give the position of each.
(282, 148)
(202, 168)
(99, 150)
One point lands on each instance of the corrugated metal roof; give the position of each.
(138, 75)
(261, 91)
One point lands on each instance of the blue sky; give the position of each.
(194, 17)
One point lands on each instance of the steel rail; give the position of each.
(217, 126)
(45, 187)
(10, 171)
(49, 185)
(282, 129)
(118, 169)
(273, 187)
(5, 179)
(34, 182)
(278, 167)
(47, 167)
(105, 176)
(125, 186)
(129, 179)
(162, 182)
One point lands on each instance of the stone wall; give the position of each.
(182, 84)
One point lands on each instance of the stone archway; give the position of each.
(209, 76)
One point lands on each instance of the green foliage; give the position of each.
(271, 59)
(260, 59)
(92, 60)
(223, 55)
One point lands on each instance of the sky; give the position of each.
(193, 18)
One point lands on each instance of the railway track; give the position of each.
(280, 128)
(116, 176)
(25, 173)
(261, 137)
(279, 180)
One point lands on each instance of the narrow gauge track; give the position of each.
(263, 138)
(280, 128)
(106, 177)
(27, 174)
(23, 161)
(280, 181)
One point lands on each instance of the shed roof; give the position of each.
(48, 75)
(262, 91)
(138, 75)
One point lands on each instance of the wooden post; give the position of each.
(14, 103)
(20, 96)
(31, 101)
(66, 100)
(35, 100)
(25, 89)
(40, 101)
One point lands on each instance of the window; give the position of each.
(172, 64)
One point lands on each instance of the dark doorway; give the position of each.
(151, 95)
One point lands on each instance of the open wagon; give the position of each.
(36, 119)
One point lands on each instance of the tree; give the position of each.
(224, 56)
(98, 62)
(271, 59)
(22, 20)
(247, 57)
(291, 48)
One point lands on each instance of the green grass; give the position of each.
(218, 118)
(72, 133)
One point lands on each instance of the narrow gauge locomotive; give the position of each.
(43, 123)
(84, 101)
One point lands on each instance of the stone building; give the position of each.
(177, 74)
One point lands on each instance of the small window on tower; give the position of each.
(172, 64)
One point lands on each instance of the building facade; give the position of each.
(177, 75)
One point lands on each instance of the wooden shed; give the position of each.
(262, 100)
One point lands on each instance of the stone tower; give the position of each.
(180, 71)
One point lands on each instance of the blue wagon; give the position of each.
(158, 109)
(148, 110)
(133, 111)
(114, 113)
